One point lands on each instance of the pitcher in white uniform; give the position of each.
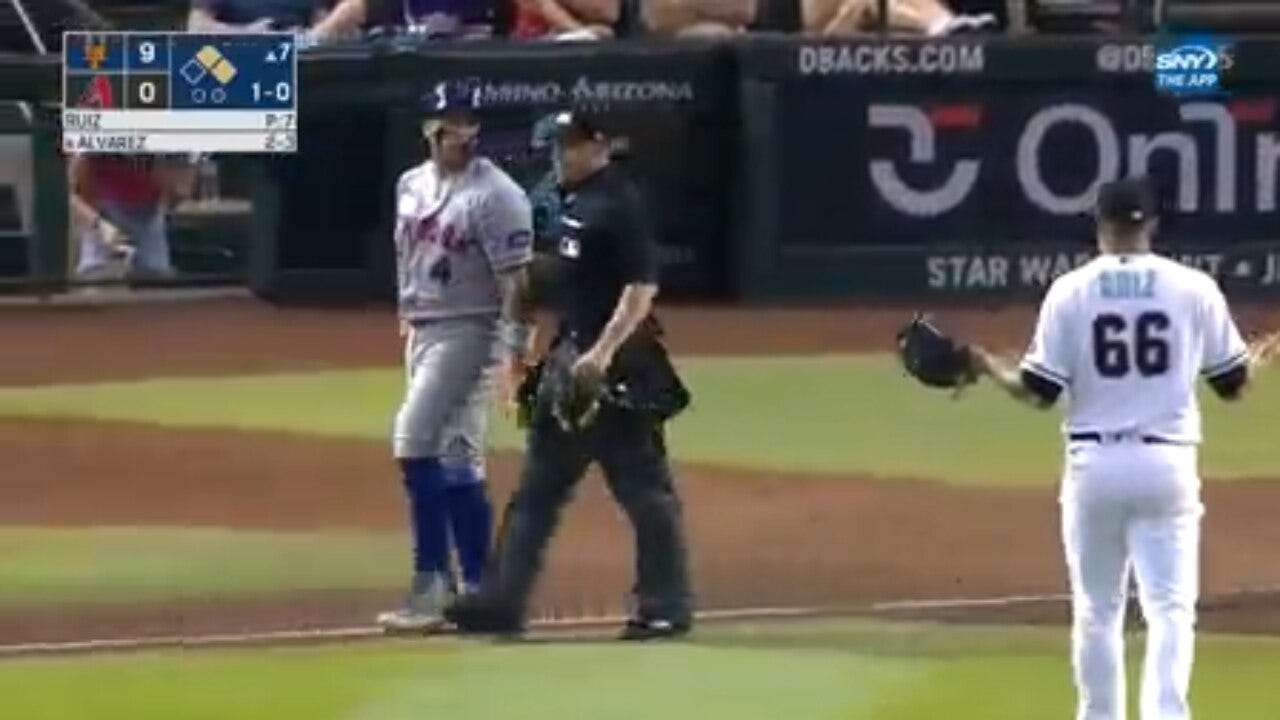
(1125, 338)
(464, 239)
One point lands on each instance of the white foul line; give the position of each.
(965, 603)
(555, 625)
(550, 625)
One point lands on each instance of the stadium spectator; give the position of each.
(119, 207)
(698, 18)
(428, 18)
(228, 16)
(844, 18)
(565, 19)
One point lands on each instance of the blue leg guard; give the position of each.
(471, 518)
(424, 481)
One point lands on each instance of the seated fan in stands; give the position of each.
(696, 18)
(565, 19)
(933, 18)
(432, 19)
(222, 16)
(119, 208)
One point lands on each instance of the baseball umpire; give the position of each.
(602, 393)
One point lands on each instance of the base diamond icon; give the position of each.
(193, 72)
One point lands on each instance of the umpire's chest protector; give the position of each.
(578, 244)
(579, 234)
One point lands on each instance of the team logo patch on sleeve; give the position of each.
(519, 240)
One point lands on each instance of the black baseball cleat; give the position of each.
(481, 615)
(642, 628)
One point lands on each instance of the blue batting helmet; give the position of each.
(452, 96)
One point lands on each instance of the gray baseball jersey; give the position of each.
(454, 234)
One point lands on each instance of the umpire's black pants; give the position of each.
(630, 449)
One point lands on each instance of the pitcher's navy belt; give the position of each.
(1098, 437)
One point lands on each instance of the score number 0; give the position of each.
(147, 92)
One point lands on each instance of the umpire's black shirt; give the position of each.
(603, 242)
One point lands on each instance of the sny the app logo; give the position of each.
(1192, 67)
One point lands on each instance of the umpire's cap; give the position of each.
(1131, 201)
(591, 125)
(581, 125)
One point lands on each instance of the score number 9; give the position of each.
(283, 92)
(147, 53)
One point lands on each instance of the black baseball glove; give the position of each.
(932, 357)
(527, 394)
(577, 399)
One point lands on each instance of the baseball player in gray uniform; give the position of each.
(464, 239)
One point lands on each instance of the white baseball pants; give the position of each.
(1129, 504)
(451, 364)
(147, 229)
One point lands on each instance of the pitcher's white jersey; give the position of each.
(454, 234)
(1126, 337)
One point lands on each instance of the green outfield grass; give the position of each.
(106, 565)
(816, 670)
(832, 414)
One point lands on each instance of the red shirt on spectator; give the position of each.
(529, 23)
(128, 181)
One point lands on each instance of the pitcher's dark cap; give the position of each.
(1131, 201)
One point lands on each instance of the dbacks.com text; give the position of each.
(891, 59)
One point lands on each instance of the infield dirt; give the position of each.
(758, 539)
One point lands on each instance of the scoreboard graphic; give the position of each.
(139, 93)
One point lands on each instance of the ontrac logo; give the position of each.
(922, 141)
(1192, 66)
(1213, 145)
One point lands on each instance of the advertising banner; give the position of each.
(677, 136)
(672, 115)
(953, 170)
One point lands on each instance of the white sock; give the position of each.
(94, 253)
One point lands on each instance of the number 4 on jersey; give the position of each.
(1115, 354)
(440, 271)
